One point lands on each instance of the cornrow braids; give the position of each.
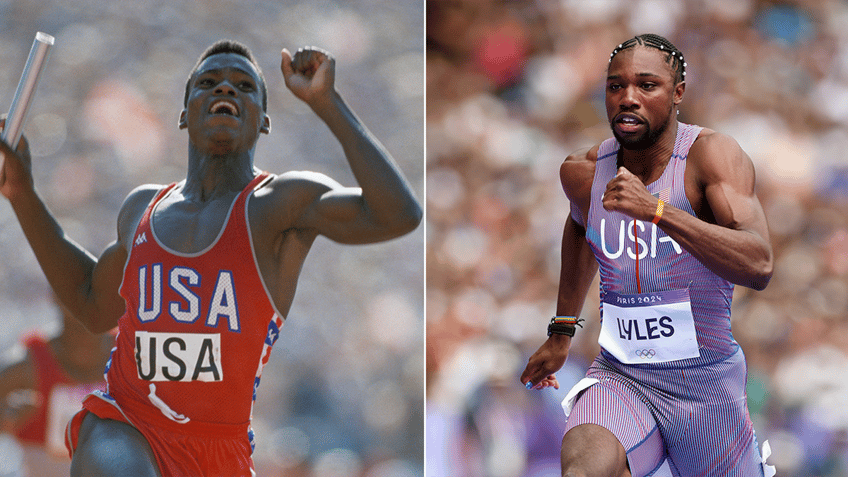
(673, 56)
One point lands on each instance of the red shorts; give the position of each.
(178, 454)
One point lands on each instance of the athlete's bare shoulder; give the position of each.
(287, 196)
(716, 155)
(133, 209)
(296, 188)
(577, 173)
(709, 140)
(303, 181)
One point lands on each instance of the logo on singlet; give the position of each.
(631, 243)
(185, 286)
(141, 239)
(178, 356)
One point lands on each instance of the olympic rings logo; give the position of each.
(646, 353)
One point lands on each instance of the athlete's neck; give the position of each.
(210, 176)
(648, 164)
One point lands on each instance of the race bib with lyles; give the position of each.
(178, 356)
(654, 327)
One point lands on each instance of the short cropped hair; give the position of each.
(229, 46)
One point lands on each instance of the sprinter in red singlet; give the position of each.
(207, 268)
(667, 213)
(42, 390)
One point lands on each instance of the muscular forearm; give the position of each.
(67, 266)
(740, 256)
(388, 198)
(578, 268)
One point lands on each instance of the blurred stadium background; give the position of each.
(343, 394)
(513, 86)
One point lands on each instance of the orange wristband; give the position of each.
(658, 213)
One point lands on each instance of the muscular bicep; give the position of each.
(577, 269)
(311, 201)
(733, 208)
(106, 303)
(729, 188)
(103, 304)
(576, 175)
(340, 214)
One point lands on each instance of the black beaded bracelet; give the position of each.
(564, 325)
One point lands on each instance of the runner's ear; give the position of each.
(266, 125)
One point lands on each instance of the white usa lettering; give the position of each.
(640, 244)
(224, 302)
(185, 282)
(187, 311)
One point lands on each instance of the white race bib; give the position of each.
(178, 356)
(647, 328)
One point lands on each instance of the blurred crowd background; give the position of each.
(343, 392)
(513, 86)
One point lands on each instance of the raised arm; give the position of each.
(88, 287)
(730, 235)
(578, 269)
(384, 206)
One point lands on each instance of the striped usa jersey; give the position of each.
(653, 258)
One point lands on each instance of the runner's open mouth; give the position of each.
(224, 107)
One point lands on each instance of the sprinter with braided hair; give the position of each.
(667, 213)
(674, 57)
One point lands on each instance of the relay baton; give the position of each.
(26, 89)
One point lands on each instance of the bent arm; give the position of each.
(86, 286)
(736, 247)
(579, 266)
(384, 206)
(577, 270)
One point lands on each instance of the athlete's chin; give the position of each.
(632, 142)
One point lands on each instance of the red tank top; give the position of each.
(197, 330)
